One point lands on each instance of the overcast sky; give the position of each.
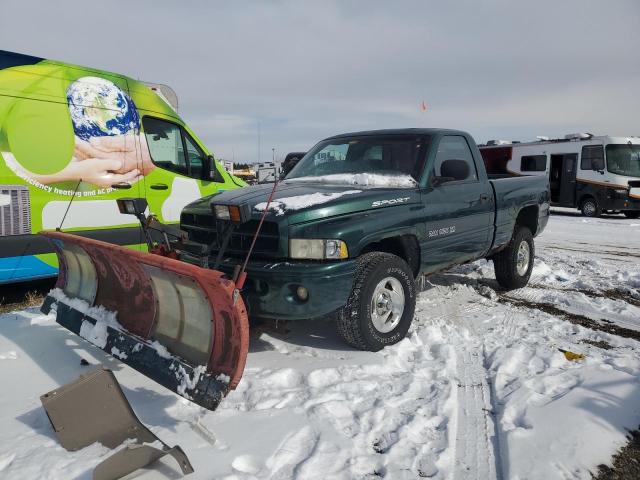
(307, 70)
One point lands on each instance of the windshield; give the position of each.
(624, 159)
(390, 160)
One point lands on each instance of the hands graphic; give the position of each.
(121, 147)
(105, 161)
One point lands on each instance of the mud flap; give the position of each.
(183, 326)
(92, 409)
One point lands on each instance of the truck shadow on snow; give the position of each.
(320, 334)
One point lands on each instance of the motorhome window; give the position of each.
(624, 159)
(164, 140)
(455, 147)
(590, 153)
(195, 156)
(533, 163)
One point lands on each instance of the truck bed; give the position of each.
(513, 193)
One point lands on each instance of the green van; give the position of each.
(75, 139)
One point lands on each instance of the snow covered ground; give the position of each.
(479, 389)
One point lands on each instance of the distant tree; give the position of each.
(241, 166)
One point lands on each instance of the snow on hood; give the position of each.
(364, 179)
(281, 205)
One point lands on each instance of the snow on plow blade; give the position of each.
(176, 323)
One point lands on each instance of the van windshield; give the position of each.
(391, 160)
(624, 159)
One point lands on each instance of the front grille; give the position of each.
(207, 230)
(15, 218)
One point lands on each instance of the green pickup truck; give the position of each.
(359, 218)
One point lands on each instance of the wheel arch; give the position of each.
(586, 196)
(404, 246)
(528, 217)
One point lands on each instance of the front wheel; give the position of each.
(380, 308)
(590, 208)
(632, 213)
(514, 264)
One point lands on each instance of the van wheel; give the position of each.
(632, 213)
(380, 308)
(513, 265)
(590, 207)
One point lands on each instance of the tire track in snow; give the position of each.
(475, 443)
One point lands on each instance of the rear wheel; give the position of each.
(590, 207)
(513, 265)
(632, 213)
(380, 308)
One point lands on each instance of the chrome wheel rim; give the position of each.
(387, 304)
(589, 208)
(524, 255)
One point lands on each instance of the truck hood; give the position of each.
(307, 201)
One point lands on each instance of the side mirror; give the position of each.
(597, 164)
(456, 169)
(209, 170)
(450, 171)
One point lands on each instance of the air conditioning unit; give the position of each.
(578, 136)
(15, 210)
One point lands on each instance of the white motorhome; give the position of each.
(268, 172)
(592, 173)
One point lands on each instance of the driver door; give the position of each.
(458, 207)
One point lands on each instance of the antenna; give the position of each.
(258, 141)
(59, 229)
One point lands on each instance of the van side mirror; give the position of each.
(209, 170)
(597, 164)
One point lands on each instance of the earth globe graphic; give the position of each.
(99, 108)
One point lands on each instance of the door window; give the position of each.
(165, 145)
(455, 151)
(589, 153)
(195, 156)
(173, 149)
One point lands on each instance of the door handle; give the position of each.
(159, 186)
(484, 198)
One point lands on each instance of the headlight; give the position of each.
(316, 249)
(222, 212)
(235, 213)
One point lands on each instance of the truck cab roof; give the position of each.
(401, 131)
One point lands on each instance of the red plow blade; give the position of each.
(183, 326)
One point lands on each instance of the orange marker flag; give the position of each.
(424, 106)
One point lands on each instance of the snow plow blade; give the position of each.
(183, 326)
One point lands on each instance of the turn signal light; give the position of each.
(234, 214)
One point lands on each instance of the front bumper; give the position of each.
(631, 203)
(621, 202)
(270, 289)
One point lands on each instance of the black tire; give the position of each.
(506, 265)
(590, 207)
(632, 213)
(354, 320)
